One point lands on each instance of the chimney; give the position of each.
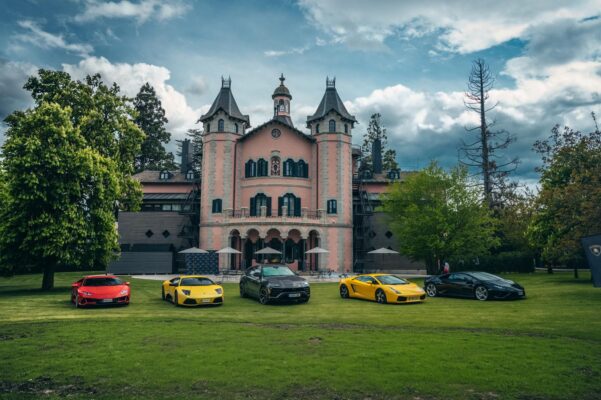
(376, 156)
(185, 164)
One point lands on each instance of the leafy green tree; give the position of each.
(103, 117)
(568, 206)
(59, 195)
(376, 130)
(438, 215)
(151, 119)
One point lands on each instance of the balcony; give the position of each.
(243, 215)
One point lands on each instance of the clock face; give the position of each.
(276, 133)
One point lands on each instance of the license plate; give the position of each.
(414, 298)
(206, 300)
(521, 293)
(294, 295)
(106, 300)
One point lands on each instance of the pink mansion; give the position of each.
(274, 185)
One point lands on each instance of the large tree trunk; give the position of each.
(48, 279)
(484, 141)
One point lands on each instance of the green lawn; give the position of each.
(545, 347)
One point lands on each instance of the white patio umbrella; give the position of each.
(383, 250)
(317, 250)
(228, 250)
(268, 250)
(193, 250)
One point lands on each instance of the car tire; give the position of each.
(163, 293)
(381, 296)
(242, 291)
(76, 301)
(263, 296)
(344, 293)
(175, 300)
(431, 290)
(481, 293)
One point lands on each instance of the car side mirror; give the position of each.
(218, 283)
(127, 283)
(172, 284)
(75, 285)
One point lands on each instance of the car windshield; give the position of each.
(196, 282)
(391, 280)
(485, 276)
(102, 282)
(277, 270)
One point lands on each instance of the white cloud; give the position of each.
(130, 77)
(198, 85)
(278, 53)
(45, 40)
(141, 11)
(463, 27)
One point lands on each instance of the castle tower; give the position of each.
(223, 124)
(331, 125)
(281, 102)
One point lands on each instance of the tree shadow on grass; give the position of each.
(35, 292)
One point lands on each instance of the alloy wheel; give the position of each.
(263, 296)
(344, 292)
(381, 296)
(431, 290)
(242, 291)
(481, 293)
(175, 301)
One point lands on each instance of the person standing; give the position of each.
(447, 268)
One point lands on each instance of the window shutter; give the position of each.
(306, 171)
(247, 169)
(334, 207)
(253, 212)
(297, 207)
(280, 204)
(269, 206)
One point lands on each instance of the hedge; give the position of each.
(510, 261)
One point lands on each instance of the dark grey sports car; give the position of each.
(274, 282)
(479, 285)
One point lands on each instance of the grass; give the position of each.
(545, 347)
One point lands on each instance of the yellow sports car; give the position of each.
(192, 290)
(383, 288)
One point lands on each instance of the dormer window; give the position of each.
(164, 175)
(190, 175)
(220, 125)
(332, 126)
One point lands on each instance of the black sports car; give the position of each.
(274, 282)
(479, 285)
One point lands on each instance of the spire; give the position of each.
(281, 102)
(331, 102)
(281, 90)
(225, 101)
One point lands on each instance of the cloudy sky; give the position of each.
(408, 60)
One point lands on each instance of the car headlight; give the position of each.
(394, 290)
(219, 290)
(186, 292)
(274, 284)
(498, 287)
(86, 293)
(123, 292)
(304, 283)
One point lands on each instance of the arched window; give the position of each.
(317, 128)
(190, 175)
(281, 106)
(164, 175)
(332, 126)
(236, 127)
(262, 167)
(259, 201)
(216, 206)
(220, 125)
(332, 207)
(293, 204)
(250, 169)
(345, 128)
(290, 168)
(275, 166)
(302, 169)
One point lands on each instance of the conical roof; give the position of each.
(331, 102)
(281, 90)
(225, 101)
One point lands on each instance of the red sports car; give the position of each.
(100, 290)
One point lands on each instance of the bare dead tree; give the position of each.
(483, 149)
